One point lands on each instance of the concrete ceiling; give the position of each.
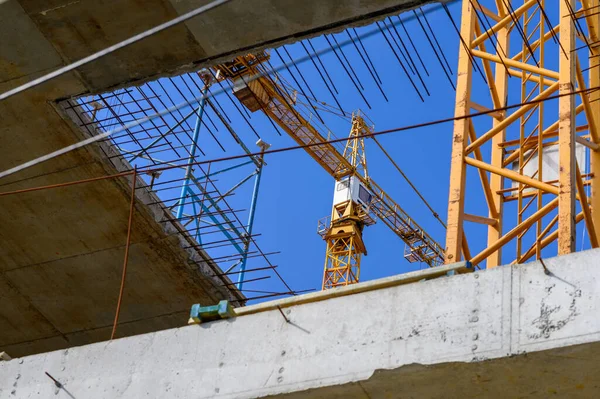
(62, 249)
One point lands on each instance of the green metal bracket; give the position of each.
(202, 314)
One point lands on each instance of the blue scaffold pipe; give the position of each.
(242, 273)
(188, 170)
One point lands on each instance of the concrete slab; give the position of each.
(29, 51)
(507, 332)
(79, 28)
(60, 250)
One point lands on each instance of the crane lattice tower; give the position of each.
(535, 53)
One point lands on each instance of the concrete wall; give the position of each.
(507, 332)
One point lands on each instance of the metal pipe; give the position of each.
(264, 146)
(228, 192)
(216, 221)
(188, 169)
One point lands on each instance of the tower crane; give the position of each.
(358, 200)
(351, 211)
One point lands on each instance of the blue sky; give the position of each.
(295, 192)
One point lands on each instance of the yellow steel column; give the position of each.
(456, 198)
(496, 181)
(594, 83)
(538, 82)
(566, 132)
(540, 140)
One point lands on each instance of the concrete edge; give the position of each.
(386, 282)
(112, 161)
(209, 61)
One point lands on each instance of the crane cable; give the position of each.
(290, 148)
(433, 212)
(137, 122)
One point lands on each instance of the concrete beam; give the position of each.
(506, 332)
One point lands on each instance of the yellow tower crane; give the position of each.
(256, 90)
(351, 212)
(532, 50)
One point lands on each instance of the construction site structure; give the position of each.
(342, 231)
(257, 90)
(512, 145)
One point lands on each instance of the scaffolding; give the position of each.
(536, 54)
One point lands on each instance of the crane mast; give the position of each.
(351, 212)
(256, 90)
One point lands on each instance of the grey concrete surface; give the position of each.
(61, 250)
(45, 34)
(510, 332)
